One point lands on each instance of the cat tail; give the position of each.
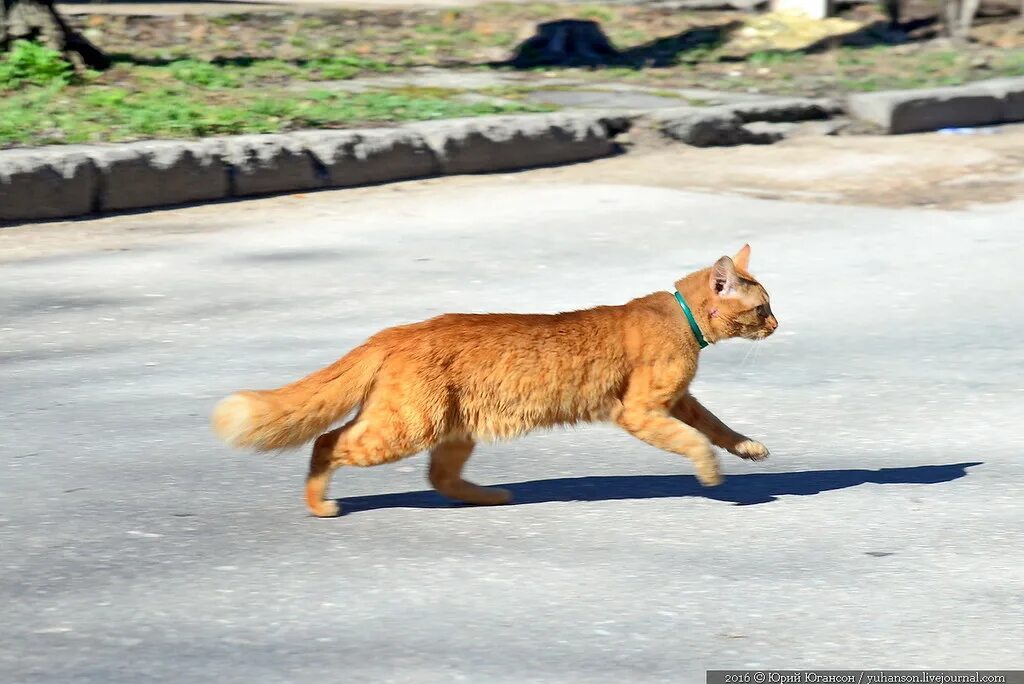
(289, 416)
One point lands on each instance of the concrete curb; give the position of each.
(729, 124)
(982, 103)
(47, 183)
(138, 175)
(74, 180)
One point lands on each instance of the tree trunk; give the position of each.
(815, 9)
(959, 18)
(38, 20)
(892, 8)
(951, 25)
(566, 42)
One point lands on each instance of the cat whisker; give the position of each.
(746, 357)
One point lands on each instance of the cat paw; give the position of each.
(493, 496)
(708, 473)
(711, 480)
(751, 450)
(325, 509)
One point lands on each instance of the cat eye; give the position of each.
(762, 311)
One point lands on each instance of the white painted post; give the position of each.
(816, 9)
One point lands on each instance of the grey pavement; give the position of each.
(886, 529)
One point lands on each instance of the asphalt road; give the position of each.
(885, 531)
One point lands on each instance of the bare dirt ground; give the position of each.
(932, 170)
(927, 170)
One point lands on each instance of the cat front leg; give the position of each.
(692, 412)
(656, 427)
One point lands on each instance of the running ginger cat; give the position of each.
(450, 381)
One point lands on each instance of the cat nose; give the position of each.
(773, 323)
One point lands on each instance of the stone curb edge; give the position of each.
(77, 180)
(982, 103)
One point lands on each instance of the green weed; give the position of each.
(29, 63)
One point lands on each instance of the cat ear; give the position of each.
(723, 277)
(742, 258)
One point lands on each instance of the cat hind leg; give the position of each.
(362, 443)
(445, 474)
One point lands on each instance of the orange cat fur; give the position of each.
(450, 381)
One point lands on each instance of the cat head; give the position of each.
(738, 305)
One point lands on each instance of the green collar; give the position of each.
(693, 322)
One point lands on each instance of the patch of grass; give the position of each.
(342, 67)
(701, 54)
(943, 59)
(629, 37)
(506, 92)
(767, 58)
(853, 57)
(204, 74)
(414, 91)
(873, 69)
(499, 38)
(227, 20)
(311, 23)
(617, 73)
(33, 64)
(866, 84)
(40, 116)
(1011, 63)
(598, 13)
(539, 10)
(238, 73)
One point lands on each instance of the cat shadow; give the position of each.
(741, 490)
